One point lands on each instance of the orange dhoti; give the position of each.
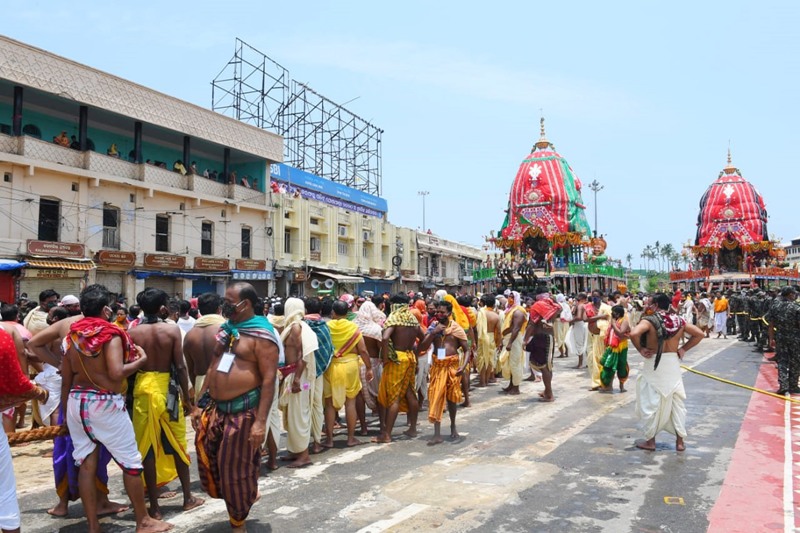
(445, 385)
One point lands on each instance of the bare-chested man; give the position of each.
(447, 337)
(200, 342)
(99, 357)
(46, 346)
(489, 336)
(158, 418)
(241, 385)
(662, 410)
(397, 388)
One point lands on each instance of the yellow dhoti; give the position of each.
(153, 428)
(512, 362)
(342, 380)
(560, 329)
(398, 378)
(486, 345)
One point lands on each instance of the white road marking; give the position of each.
(286, 509)
(362, 477)
(403, 514)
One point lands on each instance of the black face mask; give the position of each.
(229, 310)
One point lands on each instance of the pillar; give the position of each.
(83, 128)
(137, 142)
(16, 117)
(226, 164)
(187, 151)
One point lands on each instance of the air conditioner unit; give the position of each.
(367, 235)
(343, 231)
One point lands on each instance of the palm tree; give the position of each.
(666, 252)
(646, 255)
(657, 249)
(629, 260)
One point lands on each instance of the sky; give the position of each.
(644, 97)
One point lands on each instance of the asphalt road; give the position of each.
(521, 465)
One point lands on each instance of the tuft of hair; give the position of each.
(340, 308)
(313, 305)
(151, 300)
(488, 300)
(662, 301)
(445, 304)
(400, 298)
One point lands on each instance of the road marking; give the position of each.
(674, 500)
(286, 509)
(362, 477)
(788, 498)
(403, 514)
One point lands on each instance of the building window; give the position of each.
(162, 233)
(207, 239)
(246, 243)
(314, 221)
(49, 219)
(444, 269)
(435, 265)
(365, 252)
(342, 230)
(343, 249)
(287, 242)
(111, 227)
(316, 245)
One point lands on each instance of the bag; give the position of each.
(173, 395)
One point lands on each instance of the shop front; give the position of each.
(254, 272)
(376, 283)
(162, 271)
(112, 272)
(60, 266)
(210, 275)
(324, 282)
(10, 271)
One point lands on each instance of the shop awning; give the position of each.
(341, 278)
(10, 264)
(62, 264)
(144, 274)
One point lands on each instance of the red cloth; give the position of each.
(544, 309)
(676, 299)
(90, 334)
(14, 382)
(589, 308)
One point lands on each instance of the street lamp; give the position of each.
(596, 187)
(423, 194)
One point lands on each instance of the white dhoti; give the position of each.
(50, 380)
(578, 338)
(512, 363)
(421, 379)
(317, 410)
(99, 417)
(9, 506)
(296, 408)
(720, 322)
(274, 415)
(660, 397)
(560, 329)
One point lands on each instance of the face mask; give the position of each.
(230, 310)
(50, 305)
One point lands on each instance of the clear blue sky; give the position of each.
(642, 96)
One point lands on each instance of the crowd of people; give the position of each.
(124, 380)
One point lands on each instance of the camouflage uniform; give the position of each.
(756, 330)
(747, 333)
(734, 308)
(784, 316)
(741, 316)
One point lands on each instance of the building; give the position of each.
(106, 181)
(90, 194)
(445, 264)
(792, 252)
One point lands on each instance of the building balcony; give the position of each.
(114, 167)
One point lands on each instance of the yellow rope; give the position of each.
(723, 380)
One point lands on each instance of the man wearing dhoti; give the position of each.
(578, 335)
(397, 388)
(299, 379)
(660, 395)
(369, 319)
(98, 358)
(322, 359)
(561, 325)
(512, 348)
(488, 328)
(160, 402)
(597, 344)
(447, 339)
(240, 384)
(342, 382)
(538, 337)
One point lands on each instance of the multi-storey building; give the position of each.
(108, 181)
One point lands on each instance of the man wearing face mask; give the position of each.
(46, 345)
(240, 384)
(36, 320)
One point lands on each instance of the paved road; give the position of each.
(521, 466)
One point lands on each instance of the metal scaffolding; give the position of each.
(320, 136)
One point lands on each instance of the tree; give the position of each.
(666, 252)
(657, 250)
(629, 260)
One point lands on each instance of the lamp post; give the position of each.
(423, 194)
(596, 187)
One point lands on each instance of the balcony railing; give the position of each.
(112, 165)
(8, 144)
(51, 152)
(603, 270)
(167, 178)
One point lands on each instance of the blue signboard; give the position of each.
(327, 191)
